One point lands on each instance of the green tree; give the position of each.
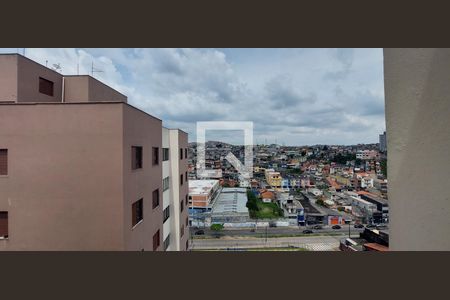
(217, 227)
(383, 165)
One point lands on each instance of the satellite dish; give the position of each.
(56, 67)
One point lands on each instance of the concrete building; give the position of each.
(231, 206)
(273, 178)
(202, 194)
(80, 169)
(366, 154)
(417, 108)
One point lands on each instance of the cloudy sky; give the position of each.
(293, 96)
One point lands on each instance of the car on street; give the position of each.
(199, 232)
(307, 231)
(317, 227)
(358, 226)
(336, 227)
(371, 226)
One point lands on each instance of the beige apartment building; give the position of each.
(80, 169)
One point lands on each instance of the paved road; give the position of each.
(313, 243)
(271, 231)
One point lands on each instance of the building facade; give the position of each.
(80, 169)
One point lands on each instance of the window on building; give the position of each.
(3, 161)
(165, 154)
(166, 213)
(181, 205)
(187, 245)
(3, 224)
(136, 157)
(155, 198)
(182, 230)
(187, 222)
(155, 156)
(185, 153)
(181, 153)
(137, 212)
(45, 86)
(181, 179)
(186, 200)
(185, 174)
(166, 182)
(156, 241)
(167, 242)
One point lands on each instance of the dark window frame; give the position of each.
(3, 162)
(137, 157)
(181, 153)
(137, 212)
(155, 198)
(156, 240)
(4, 223)
(181, 179)
(166, 214)
(165, 154)
(155, 156)
(46, 87)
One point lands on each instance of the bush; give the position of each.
(216, 227)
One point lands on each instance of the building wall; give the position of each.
(64, 186)
(167, 195)
(417, 92)
(8, 78)
(28, 81)
(85, 88)
(178, 139)
(141, 129)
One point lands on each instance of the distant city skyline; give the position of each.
(293, 96)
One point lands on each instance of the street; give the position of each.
(312, 243)
(277, 231)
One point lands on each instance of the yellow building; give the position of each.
(273, 178)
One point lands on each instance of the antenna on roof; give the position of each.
(94, 70)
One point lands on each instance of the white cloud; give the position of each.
(296, 96)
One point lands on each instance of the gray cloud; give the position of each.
(297, 97)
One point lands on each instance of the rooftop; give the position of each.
(201, 187)
(231, 201)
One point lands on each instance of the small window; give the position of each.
(166, 214)
(3, 161)
(166, 183)
(165, 154)
(187, 221)
(181, 179)
(185, 174)
(136, 157)
(167, 242)
(187, 245)
(137, 212)
(3, 224)
(155, 156)
(186, 200)
(185, 153)
(182, 230)
(181, 153)
(156, 241)
(155, 198)
(181, 205)
(45, 86)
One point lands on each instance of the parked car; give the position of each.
(358, 226)
(336, 227)
(317, 227)
(371, 226)
(307, 231)
(381, 227)
(199, 232)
